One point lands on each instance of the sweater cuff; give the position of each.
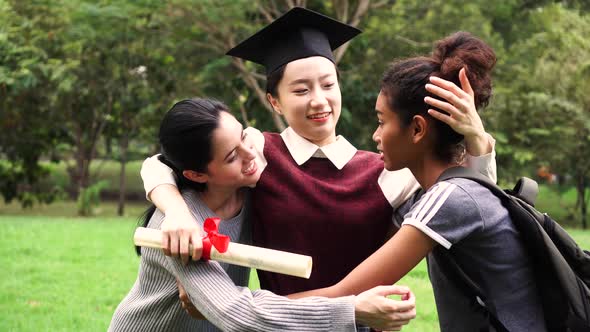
(342, 313)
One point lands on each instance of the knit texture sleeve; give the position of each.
(233, 308)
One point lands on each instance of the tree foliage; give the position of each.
(81, 79)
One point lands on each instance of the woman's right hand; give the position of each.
(374, 309)
(180, 231)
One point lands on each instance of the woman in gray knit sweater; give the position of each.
(213, 160)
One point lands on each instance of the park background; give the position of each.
(84, 84)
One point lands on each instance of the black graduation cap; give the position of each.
(299, 33)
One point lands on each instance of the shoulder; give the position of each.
(268, 143)
(271, 135)
(469, 192)
(453, 196)
(367, 159)
(368, 155)
(447, 213)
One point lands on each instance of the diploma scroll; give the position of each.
(240, 254)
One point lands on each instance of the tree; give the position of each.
(211, 19)
(546, 111)
(29, 49)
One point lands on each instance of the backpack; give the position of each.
(561, 267)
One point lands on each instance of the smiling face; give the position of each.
(309, 98)
(233, 163)
(394, 141)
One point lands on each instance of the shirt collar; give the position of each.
(340, 152)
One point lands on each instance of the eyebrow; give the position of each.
(305, 80)
(234, 149)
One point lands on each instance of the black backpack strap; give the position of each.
(451, 268)
(467, 173)
(553, 252)
(525, 189)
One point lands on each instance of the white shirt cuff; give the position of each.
(485, 164)
(154, 173)
(397, 186)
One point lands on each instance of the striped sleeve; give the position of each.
(233, 308)
(446, 214)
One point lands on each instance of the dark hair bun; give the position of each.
(462, 49)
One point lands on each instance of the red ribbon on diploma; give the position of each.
(213, 238)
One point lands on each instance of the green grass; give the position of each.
(69, 274)
(558, 205)
(63, 274)
(69, 209)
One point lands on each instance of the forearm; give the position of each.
(386, 266)
(236, 308)
(330, 292)
(167, 198)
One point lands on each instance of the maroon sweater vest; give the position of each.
(339, 217)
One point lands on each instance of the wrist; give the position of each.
(478, 144)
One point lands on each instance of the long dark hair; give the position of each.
(186, 140)
(403, 84)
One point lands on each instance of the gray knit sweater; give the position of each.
(153, 304)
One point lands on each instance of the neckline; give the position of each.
(192, 195)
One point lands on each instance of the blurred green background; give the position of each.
(84, 84)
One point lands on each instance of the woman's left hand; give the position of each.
(374, 309)
(186, 304)
(462, 115)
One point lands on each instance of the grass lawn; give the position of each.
(69, 274)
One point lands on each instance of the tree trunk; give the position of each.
(260, 93)
(87, 137)
(123, 147)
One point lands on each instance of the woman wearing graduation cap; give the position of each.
(317, 195)
(198, 138)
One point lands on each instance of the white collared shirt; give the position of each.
(338, 152)
(397, 186)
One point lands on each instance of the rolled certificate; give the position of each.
(240, 254)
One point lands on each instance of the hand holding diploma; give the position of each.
(218, 247)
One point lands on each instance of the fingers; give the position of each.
(449, 86)
(386, 290)
(183, 296)
(174, 246)
(184, 246)
(452, 110)
(166, 243)
(179, 231)
(446, 118)
(197, 245)
(465, 85)
(459, 102)
(402, 307)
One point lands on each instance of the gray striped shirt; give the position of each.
(153, 304)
